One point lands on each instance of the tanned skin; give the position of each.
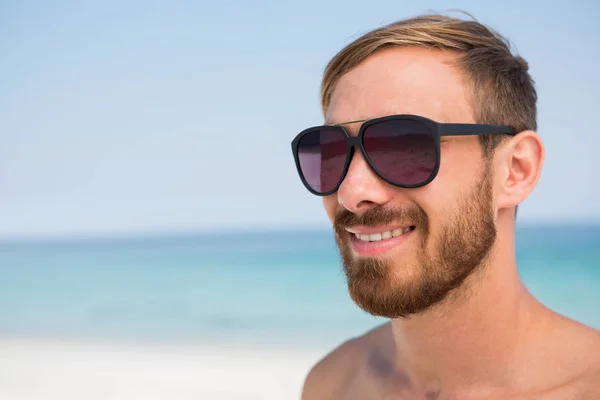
(490, 338)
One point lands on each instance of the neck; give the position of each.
(473, 342)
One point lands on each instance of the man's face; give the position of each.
(450, 222)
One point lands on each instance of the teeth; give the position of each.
(375, 237)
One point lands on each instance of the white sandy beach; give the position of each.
(46, 370)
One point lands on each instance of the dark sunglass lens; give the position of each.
(322, 155)
(401, 150)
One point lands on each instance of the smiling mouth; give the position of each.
(376, 237)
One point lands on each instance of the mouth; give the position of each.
(378, 241)
(376, 237)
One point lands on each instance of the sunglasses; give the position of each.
(403, 150)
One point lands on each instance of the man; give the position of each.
(429, 145)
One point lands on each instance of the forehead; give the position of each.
(402, 81)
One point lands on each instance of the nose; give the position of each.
(362, 189)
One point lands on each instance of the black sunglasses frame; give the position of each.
(436, 129)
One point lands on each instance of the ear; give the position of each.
(521, 161)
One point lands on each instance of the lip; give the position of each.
(378, 248)
(364, 230)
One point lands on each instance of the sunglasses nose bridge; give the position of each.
(354, 142)
(354, 145)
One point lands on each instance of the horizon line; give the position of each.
(183, 233)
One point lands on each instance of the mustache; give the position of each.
(413, 215)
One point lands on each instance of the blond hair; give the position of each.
(501, 90)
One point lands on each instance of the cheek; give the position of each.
(439, 203)
(330, 204)
(460, 166)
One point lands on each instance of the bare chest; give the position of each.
(369, 385)
(378, 379)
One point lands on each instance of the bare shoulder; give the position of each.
(591, 379)
(330, 377)
(332, 372)
(585, 345)
(587, 386)
(591, 386)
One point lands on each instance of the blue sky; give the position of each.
(122, 117)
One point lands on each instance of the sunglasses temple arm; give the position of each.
(473, 129)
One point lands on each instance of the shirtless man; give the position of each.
(424, 215)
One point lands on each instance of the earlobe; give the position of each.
(523, 161)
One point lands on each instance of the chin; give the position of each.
(385, 289)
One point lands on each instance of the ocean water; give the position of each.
(257, 288)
